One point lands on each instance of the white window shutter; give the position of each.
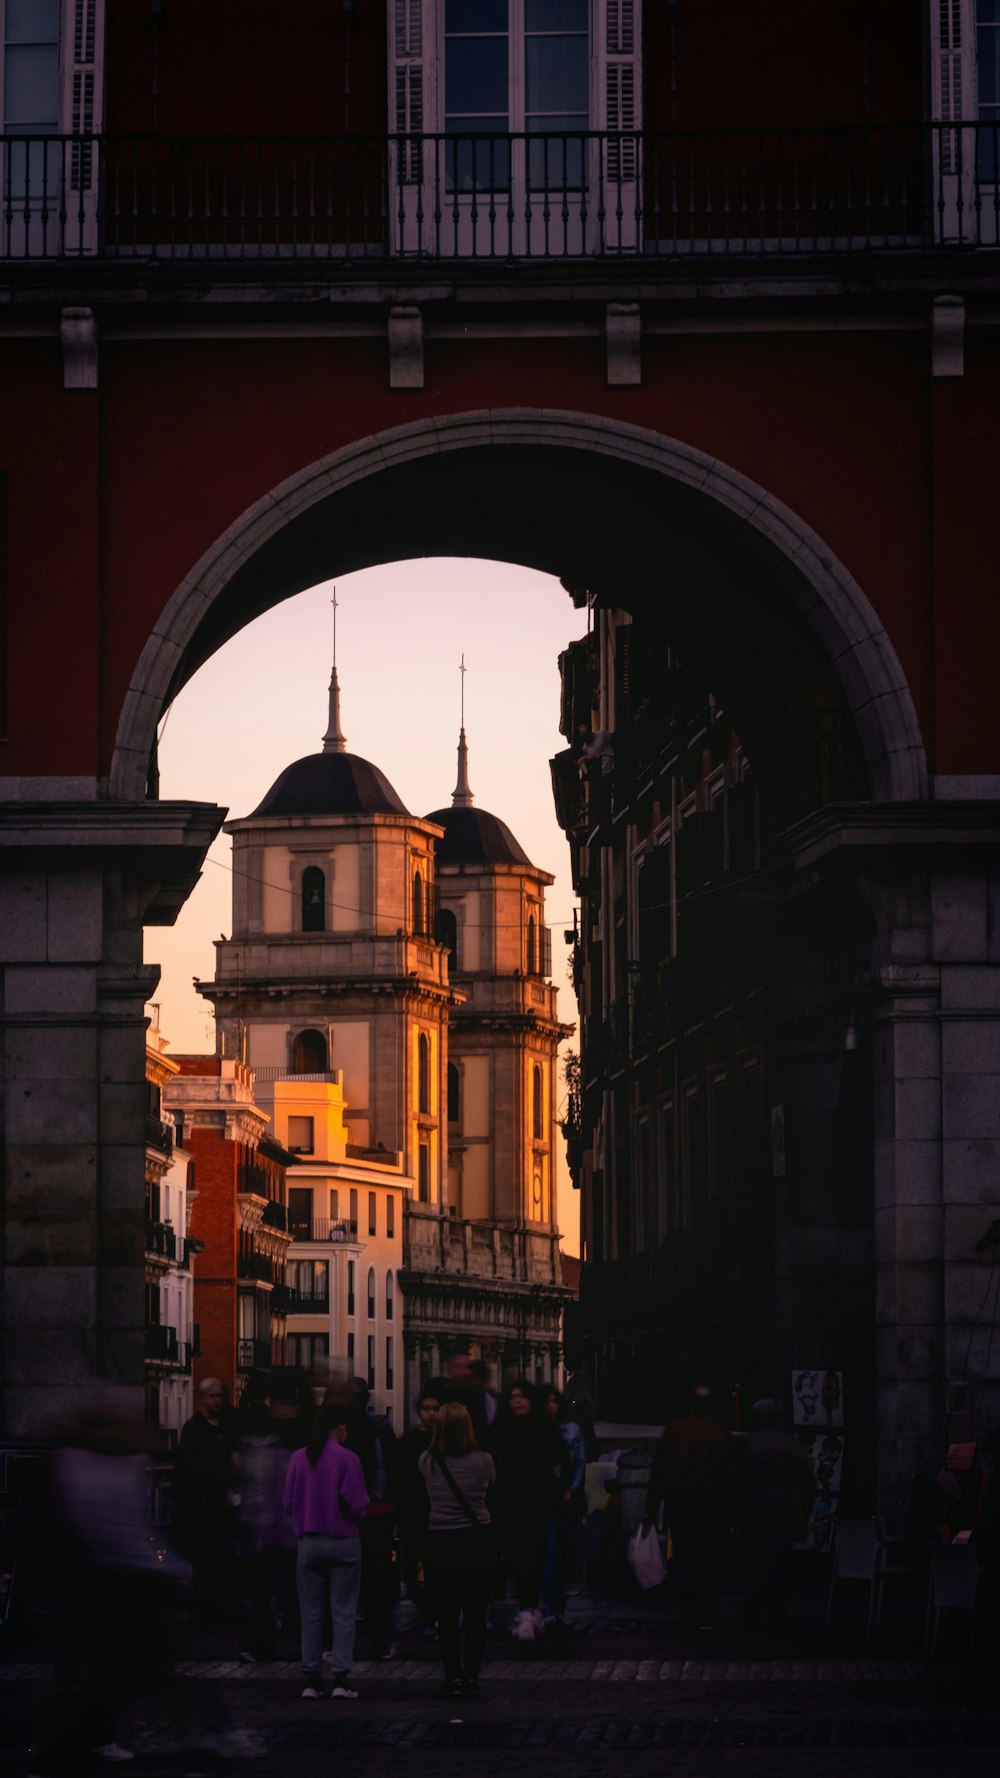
(618, 34)
(411, 32)
(82, 56)
(952, 29)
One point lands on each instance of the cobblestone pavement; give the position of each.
(630, 1694)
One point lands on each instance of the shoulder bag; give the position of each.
(498, 1578)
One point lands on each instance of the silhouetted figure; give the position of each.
(533, 1476)
(694, 1478)
(204, 1527)
(267, 1546)
(779, 1492)
(412, 1501)
(460, 1546)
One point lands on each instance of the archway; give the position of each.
(667, 526)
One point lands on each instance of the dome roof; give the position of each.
(472, 836)
(331, 784)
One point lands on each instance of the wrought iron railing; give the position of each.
(253, 1355)
(161, 1344)
(553, 195)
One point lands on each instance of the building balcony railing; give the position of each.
(275, 1216)
(255, 1268)
(523, 196)
(306, 1302)
(158, 1134)
(321, 1228)
(161, 1241)
(253, 1355)
(162, 1345)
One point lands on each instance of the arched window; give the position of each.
(447, 934)
(532, 958)
(313, 899)
(453, 1084)
(309, 1054)
(536, 1103)
(371, 1293)
(418, 902)
(423, 1073)
(388, 1296)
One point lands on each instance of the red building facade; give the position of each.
(322, 287)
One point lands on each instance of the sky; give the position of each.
(261, 702)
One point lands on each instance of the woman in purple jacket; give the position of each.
(326, 1496)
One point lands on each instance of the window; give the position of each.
(389, 1289)
(300, 1212)
(309, 1053)
(350, 1347)
(453, 1088)
(447, 934)
(988, 84)
(31, 96)
(423, 1073)
(509, 67)
(354, 1210)
(390, 1216)
(371, 1361)
(388, 1362)
(556, 87)
(313, 899)
(476, 73)
(309, 1279)
(334, 1203)
(531, 948)
(537, 1108)
(350, 1286)
(424, 1173)
(418, 902)
(371, 1293)
(372, 1214)
(307, 1349)
(300, 1135)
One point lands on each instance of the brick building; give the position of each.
(240, 1215)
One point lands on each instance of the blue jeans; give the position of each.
(328, 1571)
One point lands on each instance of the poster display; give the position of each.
(818, 1415)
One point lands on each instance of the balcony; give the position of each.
(255, 1268)
(158, 1135)
(321, 1228)
(303, 1302)
(161, 1345)
(574, 195)
(275, 1216)
(161, 1242)
(253, 1355)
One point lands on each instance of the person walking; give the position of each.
(779, 1492)
(412, 1502)
(267, 1545)
(325, 1495)
(460, 1546)
(203, 1484)
(567, 1511)
(533, 1477)
(694, 1475)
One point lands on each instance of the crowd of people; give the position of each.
(300, 1517)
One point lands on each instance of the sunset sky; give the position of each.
(261, 702)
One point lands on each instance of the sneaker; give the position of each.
(312, 1689)
(387, 1654)
(114, 1754)
(524, 1628)
(343, 1690)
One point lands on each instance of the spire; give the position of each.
(462, 794)
(333, 740)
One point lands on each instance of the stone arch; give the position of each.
(767, 533)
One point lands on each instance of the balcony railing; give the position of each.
(275, 1215)
(161, 1240)
(253, 1355)
(159, 1135)
(320, 1228)
(256, 1268)
(567, 195)
(161, 1344)
(307, 1302)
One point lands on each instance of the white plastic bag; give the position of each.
(645, 1557)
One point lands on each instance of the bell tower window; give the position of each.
(536, 1104)
(313, 899)
(423, 1074)
(418, 902)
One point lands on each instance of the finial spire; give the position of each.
(333, 740)
(462, 794)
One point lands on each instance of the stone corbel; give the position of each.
(78, 333)
(406, 348)
(623, 331)
(948, 337)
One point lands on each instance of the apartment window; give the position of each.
(354, 1211)
(371, 1293)
(453, 1093)
(301, 1135)
(389, 1296)
(309, 1053)
(988, 84)
(310, 1280)
(388, 1362)
(307, 1349)
(537, 1107)
(476, 74)
(423, 1073)
(350, 1287)
(424, 1173)
(390, 1216)
(350, 1347)
(372, 1214)
(515, 67)
(300, 1213)
(371, 1361)
(31, 97)
(313, 899)
(334, 1204)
